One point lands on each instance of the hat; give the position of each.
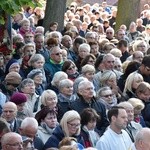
(18, 98)
(42, 113)
(13, 78)
(10, 64)
(33, 73)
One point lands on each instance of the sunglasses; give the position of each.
(108, 32)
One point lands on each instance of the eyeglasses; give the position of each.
(74, 125)
(16, 144)
(91, 61)
(109, 95)
(73, 67)
(14, 85)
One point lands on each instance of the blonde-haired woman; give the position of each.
(69, 127)
(132, 82)
(138, 106)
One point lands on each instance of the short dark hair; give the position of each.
(146, 61)
(114, 111)
(122, 43)
(87, 115)
(53, 23)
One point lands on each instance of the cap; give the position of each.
(18, 98)
(13, 78)
(33, 73)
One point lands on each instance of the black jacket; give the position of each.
(80, 104)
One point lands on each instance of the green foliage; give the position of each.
(12, 7)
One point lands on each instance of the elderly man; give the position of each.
(132, 126)
(55, 63)
(86, 99)
(12, 141)
(142, 140)
(9, 113)
(109, 33)
(115, 138)
(29, 127)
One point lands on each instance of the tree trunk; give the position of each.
(54, 12)
(127, 12)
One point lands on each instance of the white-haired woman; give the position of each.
(69, 127)
(58, 76)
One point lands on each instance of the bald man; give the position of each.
(9, 112)
(9, 144)
(142, 140)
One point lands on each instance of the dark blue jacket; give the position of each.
(56, 137)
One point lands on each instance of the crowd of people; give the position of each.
(86, 87)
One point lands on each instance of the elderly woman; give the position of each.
(70, 68)
(143, 93)
(58, 76)
(88, 72)
(86, 99)
(27, 87)
(106, 96)
(37, 76)
(69, 127)
(65, 97)
(138, 106)
(131, 84)
(37, 62)
(47, 120)
(83, 51)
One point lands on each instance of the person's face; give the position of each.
(109, 34)
(54, 27)
(139, 57)
(83, 53)
(26, 26)
(71, 70)
(56, 55)
(144, 95)
(38, 79)
(15, 144)
(120, 35)
(51, 101)
(89, 75)
(118, 66)
(87, 92)
(111, 82)
(142, 47)
(64, 55)
(130, 113)
(121, 120)
(136, 82)
(20, 107)
(146, 70)
(91, 125)
(137, 112)
(39, 42)
(67, 42)
(51, 120)
(29, 88)
(29, 51)
(28, 131)
(9, 112)
(109, 63)
(67, 90)
(145, 144)
(73, 126)
(15, 68)
(38, 64)
(28, 38)
(107, 96)
(91, 38)
(94, 49)
(91, 61)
